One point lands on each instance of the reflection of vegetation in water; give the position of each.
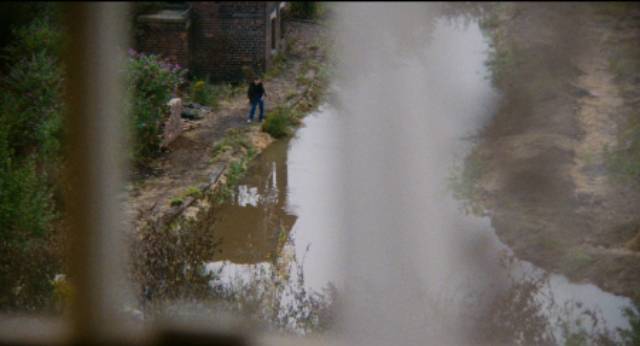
(236, 148)
(275, 294)
(631, 336)
(526, 313)
(169, 266)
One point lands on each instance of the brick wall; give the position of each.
(167, 39)
(218, 39)
(227, 36)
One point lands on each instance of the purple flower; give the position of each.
(131, 52)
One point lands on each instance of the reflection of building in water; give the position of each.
(250, 227)
(248, 196)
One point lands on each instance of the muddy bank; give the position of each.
(539, 168)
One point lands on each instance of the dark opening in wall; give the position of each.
(282, 28)
(273, 34)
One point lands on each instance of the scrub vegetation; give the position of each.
(31, 131)
(151, 83)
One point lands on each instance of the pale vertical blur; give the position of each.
(97, 48)
(405, 109)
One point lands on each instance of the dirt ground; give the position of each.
(544, 181)
(188, 159)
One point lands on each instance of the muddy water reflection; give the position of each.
(287, 194)
(249, 227)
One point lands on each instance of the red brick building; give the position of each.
(215, 39)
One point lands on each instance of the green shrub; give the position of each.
(176, 201)
(304, 9)
(210, 94)
(26, 206)
(151, 83)
(278, 123)
(200, 94)
(31, 106)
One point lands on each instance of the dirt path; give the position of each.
(188, 160)
(544, 180)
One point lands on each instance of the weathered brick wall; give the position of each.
(227, 36)
(168, 39)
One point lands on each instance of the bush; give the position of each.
(151, 84)
(209, 94)
(31, 105)
(200, 93)
(304, 9)
(278, 124)
(176, 201)
(25, 198)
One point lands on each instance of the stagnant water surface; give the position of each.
(291, 189)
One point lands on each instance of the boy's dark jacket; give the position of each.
(255, 92)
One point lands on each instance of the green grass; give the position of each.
(501, 59)
(193, 191)
(576, 259)
(278, 65)
(463, 183)
(176, 201)
(235, 139)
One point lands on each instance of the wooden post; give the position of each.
(97, 38)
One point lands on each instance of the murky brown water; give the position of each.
(250, 226)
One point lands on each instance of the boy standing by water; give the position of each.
(256, 94)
